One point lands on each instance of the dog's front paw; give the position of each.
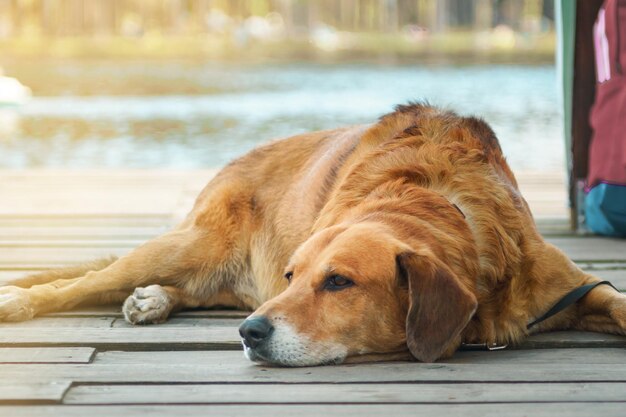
(147, 305)
(15, 304)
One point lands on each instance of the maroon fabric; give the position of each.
(607, 152)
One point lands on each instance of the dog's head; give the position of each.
(358, 290)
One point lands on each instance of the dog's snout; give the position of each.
(255, 330)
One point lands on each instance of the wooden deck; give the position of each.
(90, 362)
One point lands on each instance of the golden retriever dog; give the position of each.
(401, 239)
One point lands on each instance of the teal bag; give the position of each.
(605, 209)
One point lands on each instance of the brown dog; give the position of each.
(409, 235)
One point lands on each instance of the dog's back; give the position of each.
(285, 190)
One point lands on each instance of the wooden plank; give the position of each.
(49, 191)
(76, 323)
(239, 370)
(47, 355)
(602, 265)
(116, 311)
(45, 256)
(545, 193)
(570, 356)
(21, 232)
(566, 339)
(178, 322)
(84, 220)
(581, 249)
(135, 338)
(38, 392)
(616, 276)
(204, 336)
(553, 226)
(345, 393)
(216, 318)
(510, 357)
(105, 198)
(39, 267)
(21, 178)
(63, 248)
(327, 410)
(103, 203)
(26, 244)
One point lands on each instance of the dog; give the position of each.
(398, 240)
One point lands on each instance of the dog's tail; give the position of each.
(62, 273)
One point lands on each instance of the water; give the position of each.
(149, 114)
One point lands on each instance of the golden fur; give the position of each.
(419, 210)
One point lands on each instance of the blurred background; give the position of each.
(194, 83)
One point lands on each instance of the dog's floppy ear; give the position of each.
(440, 306)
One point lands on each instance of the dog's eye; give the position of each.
(288, 276)
(337, 282)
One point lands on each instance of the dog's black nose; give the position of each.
(255, 330)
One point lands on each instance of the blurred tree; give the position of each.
(176, 17)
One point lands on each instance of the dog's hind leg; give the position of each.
(602, 310)
(168, 260)
(205, 258)
(61, 273)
